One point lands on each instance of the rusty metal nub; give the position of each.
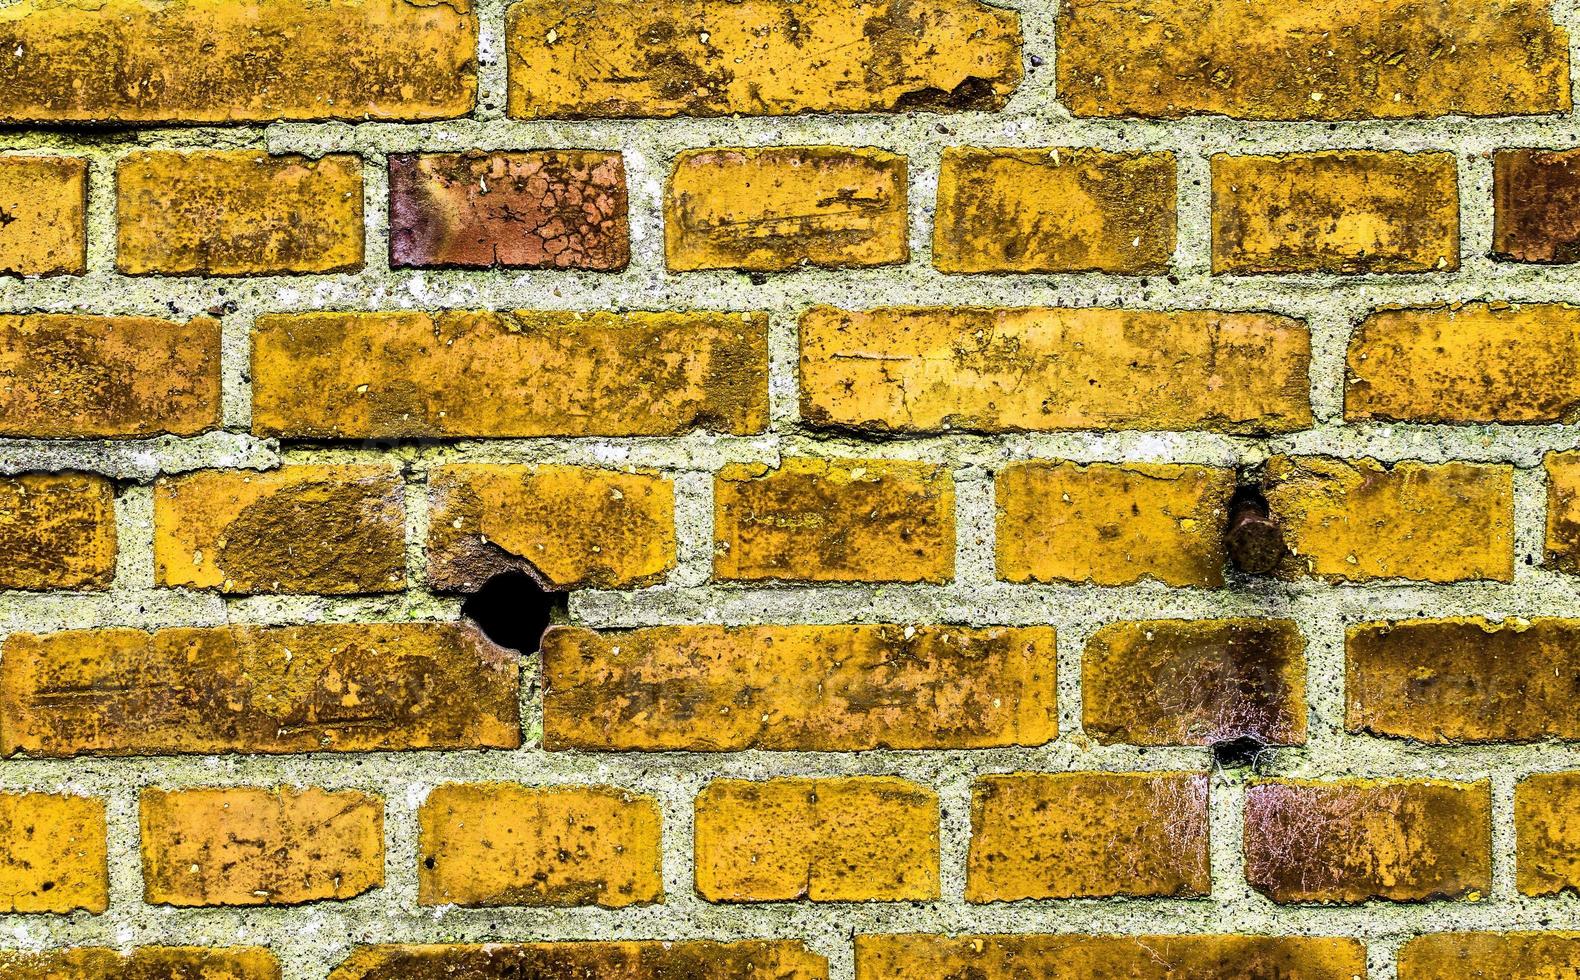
(1255, 540)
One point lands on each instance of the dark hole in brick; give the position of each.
(1237, 753)
(513, 610)
(1254, 538)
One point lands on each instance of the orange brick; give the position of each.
(1054, 210)
(494, 844)
(922, 370)
(807, 688)
(53, 859)
(1477, 362)
(1112, 524)
(1341, 212)
(147, 61)
(457, 373)
(1489, 955)
(1357, 519)
(1563, 511)
(238, 213)
(1464, 680)
(570, 527)
(858, 839)
(57, 531)
(64, 376)
(1350, 840)
(251, 846)
(821, 520)
(312, 529)
(778, 207)
(44, 203)
(331, 687)
(1320, 59)
(666, 960)
(1183, 682)
(1547, 832)
(1088, 835)
(143, 963)
(758, 57)
(908, 957)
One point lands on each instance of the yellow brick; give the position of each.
(64, 376)
(458, 373)
(43, 201)
(782, 206)
(238, 213)
(1563, 511)
(858, 839)
(1341, 212)
(298, 529)
(251, 846)
(57, 531)
(758, 57)
(692, 959)
(496, 844)
(1490, 955)
(53, 854)
(230, 61)
(571, 527)
(1547, 833)
(1355, 520)
(1112, 524)
(1478, 362)
(821, 520)
(1145, 957)
(1054, 210)
(143, 963)
(1088, 835)
(914, 370)
(1318, 59)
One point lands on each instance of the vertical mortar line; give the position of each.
(1330, 340)
(401, 803)
(954, 831)
(1038, 27)
(134, 537)
(1382, 959)
(1071, 646)
(492, 70)
(414, 499)
(647, 166)
(236, 369)
(1226, 832)
(693, 529)
(784, 368)
(676, 799)
(922, 166)
(975, 531)
(1323, 627)
(1503, 830)
(1475, 212)
(1530, 522)
(122, 845)
(375, 214)
(1193, 210)
(101, 216)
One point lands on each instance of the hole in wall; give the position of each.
(1237, 753)
(513, 610)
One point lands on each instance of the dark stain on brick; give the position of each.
(1537, 206)
(319, 538)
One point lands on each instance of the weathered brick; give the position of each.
(1054, 210)
(1357, 519)
(1112, 524)
(495, 844)
(782, 959)
(1563, 511)
(1321, 59)
(772, 208)
(1477, 362)
(822, 520)
(1195, 682)
(920, 370)
(1464, 680)
(457, 373)
(570, 527)
(1547, 832)
(758, 57)
(332, 687)
(1342, 212)
(1351, 840)
(297, 529)
(54, 858)
(143, 963)
(1145, 957)
(812, 688)
(551, 209)
(1088, 835)
(57, 531)
(64, 376)
(232, 61)
(43, 201)
(1536, 206)
(1489, 955)
(237, 213)
(251, 846)
(856, 839)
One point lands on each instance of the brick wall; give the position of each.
(1081, 489)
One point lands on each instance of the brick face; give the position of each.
(782, 959)
(758, 57)
(1536, 214)
(144, 963)
(916, 370)
(826, 840)
(55, 854)
(57, 531)
(1547, 832)
(1563, 511)
(45, 202)
(1486, 954)
(1144, 956)
(809, 688)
